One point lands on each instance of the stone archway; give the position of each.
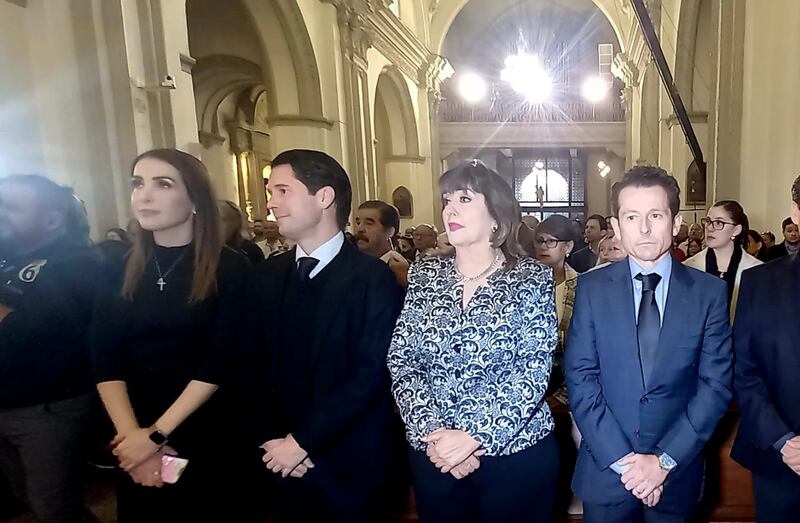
(446, 12)
(397, 152)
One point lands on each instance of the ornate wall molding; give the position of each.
(437, 71)
(694, 117)
(187, 63)
(299, 120)
(626, 70)
(367, 23)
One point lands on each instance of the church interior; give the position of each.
(560, 97)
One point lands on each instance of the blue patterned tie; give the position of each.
(649, 323)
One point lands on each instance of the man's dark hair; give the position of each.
(58, 199)
(648, 176)
(787, 222)
(316, 170)
(796, 190)
(389, 215)
(600, 220)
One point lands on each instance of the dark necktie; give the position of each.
(305, 265)
(649, 323)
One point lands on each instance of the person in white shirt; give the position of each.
(268, 238)
(425, 238)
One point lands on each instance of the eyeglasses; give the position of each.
(549, 242)
(716, 225)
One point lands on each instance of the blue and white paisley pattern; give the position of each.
(483, 369)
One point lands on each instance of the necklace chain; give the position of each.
(161, 282)
(496, 263)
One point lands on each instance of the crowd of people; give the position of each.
(273, 370)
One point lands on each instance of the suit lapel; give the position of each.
(672, 325)
(620, 298)
(274, 297)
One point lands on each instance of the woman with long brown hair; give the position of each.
(152, 340)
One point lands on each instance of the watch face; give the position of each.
(667, 462)
(158, 438)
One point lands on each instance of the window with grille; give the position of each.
(605, 55)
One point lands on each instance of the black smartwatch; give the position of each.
(158, 437)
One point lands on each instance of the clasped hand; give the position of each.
(643, 477)
(286, 457)
(453, 451)
(148, 472)
(790, 453)
(133, 448)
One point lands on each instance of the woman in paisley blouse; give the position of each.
(470, 361)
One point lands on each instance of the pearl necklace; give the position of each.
(496, 264)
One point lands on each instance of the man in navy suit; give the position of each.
(767, 384)
(648, 365)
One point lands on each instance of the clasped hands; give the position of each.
(453, 451)
(790, 453)
(140, 457)
(643, 477)
(286, 457)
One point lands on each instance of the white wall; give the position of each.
(770, 153)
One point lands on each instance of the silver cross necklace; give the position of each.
(161, 282)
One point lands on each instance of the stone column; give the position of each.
(356, 39)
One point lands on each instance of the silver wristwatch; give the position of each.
(666, 462)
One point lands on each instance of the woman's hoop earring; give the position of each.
(494, 229)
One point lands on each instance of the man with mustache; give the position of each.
(377, 224)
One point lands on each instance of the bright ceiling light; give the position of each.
(471, 87)
(594, 90)
(603, 169)
(526, 76)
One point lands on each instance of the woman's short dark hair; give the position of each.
(503, 207)
(738, 217)
(558, 227)
(316, 170)
(648, 176)
(787, 222)
(769, 235)
(388, 214)
(753, 234)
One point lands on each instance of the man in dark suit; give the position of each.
(767, 384)
(790, 243)
(585, 258)
(648, 365)
(317, 380)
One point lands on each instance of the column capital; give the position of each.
(436, 71)
(624, 68)
(354, 28)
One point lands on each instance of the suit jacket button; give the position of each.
(644, 400)
(636, 433)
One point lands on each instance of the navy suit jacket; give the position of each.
(766, 334)
(677, 412)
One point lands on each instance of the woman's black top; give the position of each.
(158, 342)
